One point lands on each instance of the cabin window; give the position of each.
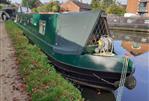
(42, 27)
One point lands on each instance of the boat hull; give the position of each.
(95, 79)
(85, 69)
(81, 75)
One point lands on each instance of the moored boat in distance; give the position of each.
(79, 46)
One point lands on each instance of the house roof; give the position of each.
(80, 4)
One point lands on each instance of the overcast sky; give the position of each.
(86, 1)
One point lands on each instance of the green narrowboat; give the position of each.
(71, 41)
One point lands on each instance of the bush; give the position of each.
(110, 6)
(52, 7)
(34, 10)
(1, 7)
(42, 80)
(116, 9)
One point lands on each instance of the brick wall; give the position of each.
(71, 7)
(148, 8)
(133, 6)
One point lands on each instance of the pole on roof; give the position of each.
(21, 8)
(27, 7)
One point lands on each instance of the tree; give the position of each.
(30, 3)
(110, 6)
(25, 3)
(101, 4)
(116, 9)
(51, 7)
(94, 4)
(55, 7)
(34, 10)
(107, 3)
(97, 4)
(1, 7)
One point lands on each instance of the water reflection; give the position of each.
(140, 37)
(130, 48)
(136, 46)
(91, 94)
(130, 43)
(141, 91)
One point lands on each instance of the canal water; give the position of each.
(136, 46)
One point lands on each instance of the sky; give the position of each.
(85, 1)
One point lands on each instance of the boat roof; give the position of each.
(75, 29)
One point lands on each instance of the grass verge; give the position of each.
(42, 80)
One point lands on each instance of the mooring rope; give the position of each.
(122, 80)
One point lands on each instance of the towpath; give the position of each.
(11, 86)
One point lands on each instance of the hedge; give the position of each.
(40, 77)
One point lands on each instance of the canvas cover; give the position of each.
(73, 31)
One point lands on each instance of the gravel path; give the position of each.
(11, 86)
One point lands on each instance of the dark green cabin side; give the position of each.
(32, 22)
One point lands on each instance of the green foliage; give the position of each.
(29, 3)
(109, 6)
(34, 10)
(51, 7)
(1, 7)
(107, 3)
(55, 8)
(115, 9)
(43, 82)
(95, 4)
(25, 3)
(101, 4)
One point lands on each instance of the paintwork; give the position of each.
(47, 43)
